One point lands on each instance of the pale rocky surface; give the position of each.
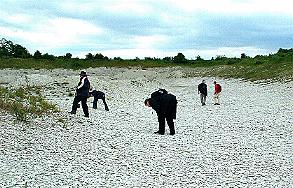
(244, 142)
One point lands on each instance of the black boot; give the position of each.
(158, 132)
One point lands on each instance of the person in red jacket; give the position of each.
(217, 92)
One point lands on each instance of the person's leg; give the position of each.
(201, 98)
(105, 104)
(204, 99)
(218, 102)
(171, 125)
(76, 100)
(161, 120)
(84, 106)
(216, 98)
(95, 102)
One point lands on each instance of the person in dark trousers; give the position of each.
(82, 93)
(202, 90)
(98, 95)
(165, 105)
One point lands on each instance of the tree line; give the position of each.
(10, 50)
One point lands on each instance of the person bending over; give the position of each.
(98, 95)
(165, 105)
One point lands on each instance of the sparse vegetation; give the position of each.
(275, 67)
(25, 102)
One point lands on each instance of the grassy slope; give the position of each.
(276, 68)
(267, 71)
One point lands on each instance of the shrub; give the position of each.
(24, 102)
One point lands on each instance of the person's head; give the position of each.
(147, 103)
(203, 81)
(82, 74)
(215, 82)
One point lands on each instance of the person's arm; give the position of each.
(198, 89)
(82, 83)
(155, 104)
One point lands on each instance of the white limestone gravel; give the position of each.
(244, 142)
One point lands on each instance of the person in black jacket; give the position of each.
(82, 93)
(98, 95)
(202, 90)
(165, 105)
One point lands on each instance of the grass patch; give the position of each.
(265, 72)
(260, 68)
(25, 102)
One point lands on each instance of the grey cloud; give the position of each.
(221, 31)
(184, 30)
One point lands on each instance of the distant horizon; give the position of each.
(142, 58)
(149, 28)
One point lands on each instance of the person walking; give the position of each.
(82, 93)
(218, 90)
(98, 95)
(165, 105)
(202, 90)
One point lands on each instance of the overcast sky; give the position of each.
(149, 28)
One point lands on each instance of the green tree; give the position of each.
(20, 52)
(198, 58)
(6, 48)
(221, 58)
(99, 56)
(89, 56)
(180, 58)
(37, 55)
(167, 58)
(48, 56)
(68, 55)
(118, 58)
(148, 58)
(243, 56)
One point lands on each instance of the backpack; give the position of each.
(220, 88)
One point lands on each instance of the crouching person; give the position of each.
(165, 105)
(98, 95)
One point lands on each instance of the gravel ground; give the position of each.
(244, 142)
